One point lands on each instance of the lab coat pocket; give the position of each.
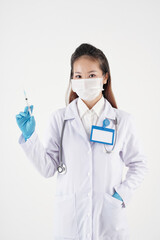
(113, 220)
(65, 221)
(114, 201)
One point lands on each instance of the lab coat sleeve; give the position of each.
(44, 156)
(134, 158)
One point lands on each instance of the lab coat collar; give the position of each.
(83, 108)
(72, 113)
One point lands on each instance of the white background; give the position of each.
(37, 39)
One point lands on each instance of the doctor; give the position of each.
(91, 199)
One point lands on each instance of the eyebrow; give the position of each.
(88, 72)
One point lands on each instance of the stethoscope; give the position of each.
(62, 167)
(106, 122)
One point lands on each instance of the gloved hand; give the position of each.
(26, 122)
(116, 195)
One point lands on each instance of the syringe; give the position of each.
(29, 109)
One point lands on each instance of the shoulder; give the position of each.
(124, 116)
(127, 122)
(121, 113)
(58, 114)
(55, 120)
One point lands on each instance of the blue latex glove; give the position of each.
(116, 195)
(26, 122)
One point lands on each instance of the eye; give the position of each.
(77, 75)
(92, 74)
(80, 75)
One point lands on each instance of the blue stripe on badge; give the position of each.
(102, 129)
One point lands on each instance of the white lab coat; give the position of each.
(84, 207)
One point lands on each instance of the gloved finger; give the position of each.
(31, 108)
(18, 116)
(26, 109)
(23, 114)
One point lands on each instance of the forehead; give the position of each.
(85, 63)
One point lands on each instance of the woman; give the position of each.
(91, 198)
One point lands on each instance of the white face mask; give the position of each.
(87, 89)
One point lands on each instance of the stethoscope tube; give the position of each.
(62, 167)
(116, 123)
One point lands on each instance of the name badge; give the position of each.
(102, 135)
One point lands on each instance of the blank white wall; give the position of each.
(37, 39)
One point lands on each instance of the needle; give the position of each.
(29, 109)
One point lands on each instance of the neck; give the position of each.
(90, 104)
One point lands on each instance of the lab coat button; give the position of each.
(88, 173)
(89, 194)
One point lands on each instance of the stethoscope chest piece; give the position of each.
(106, 122)
(61, 168)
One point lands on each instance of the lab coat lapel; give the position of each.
(72, 114)
(108, 112)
